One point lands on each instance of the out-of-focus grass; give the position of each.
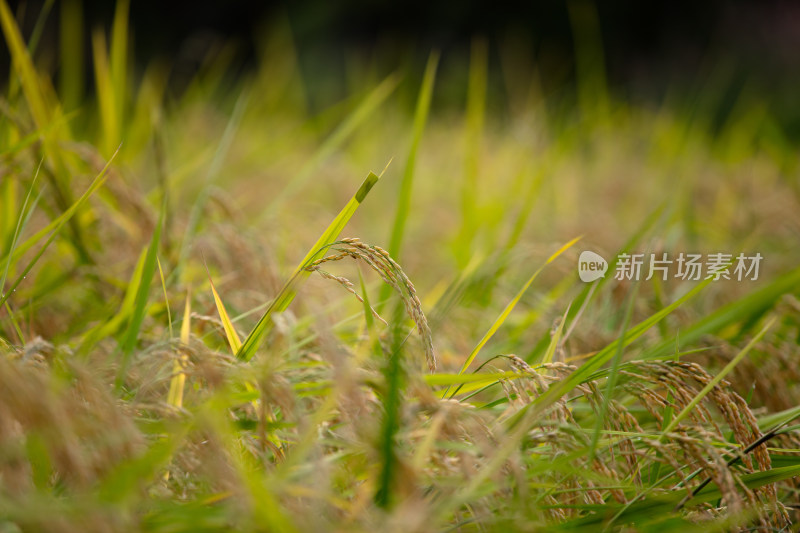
(584, 407)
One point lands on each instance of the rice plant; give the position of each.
(468, 381)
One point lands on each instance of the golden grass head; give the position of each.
(391, 273)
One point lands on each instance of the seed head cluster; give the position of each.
(391, 273)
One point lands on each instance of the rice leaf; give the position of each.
(459, 379)
(364, 110)
(166, 296)
(24, 67)
(743, 310)
(511, 305)
(230, 332)
(752, 480)
(114, 324)
(176, 384)
(71, 78)
(717, 378)
(105, 91)
(611, 382)
(555, 339)
(287, 294)
(118, 67)
(476, 109)
(394, 382)
(22, 220)
(56, 224)
(131, 336)
(586, 370)
(44, 118)
(407, 182)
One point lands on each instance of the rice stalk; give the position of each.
(391, 273)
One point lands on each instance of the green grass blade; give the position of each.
(22, 220)
(105, 91)
(476, 109)
(589, 61)
(771, 420)
(751, 481)
(9, 198)
(611, 383)
(287, 294)
(555, 339)
(230, 332)
(110, 75)
(406, 184)
(511, 305)
(131, 336)
(176, 384)
(221, 152)
(644, 512)
(603, 356)
(742, 310)
(394, 380)
(463, 379)
(649, 223)
(38, 28)
(119, 57)
(55, 225)
(166, 297)
(36, 135)
(114, 324)
(43, 118)
(71, 77)
(717, 378)
(23, 63)
(356, 118)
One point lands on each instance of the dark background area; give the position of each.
(648, 46)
